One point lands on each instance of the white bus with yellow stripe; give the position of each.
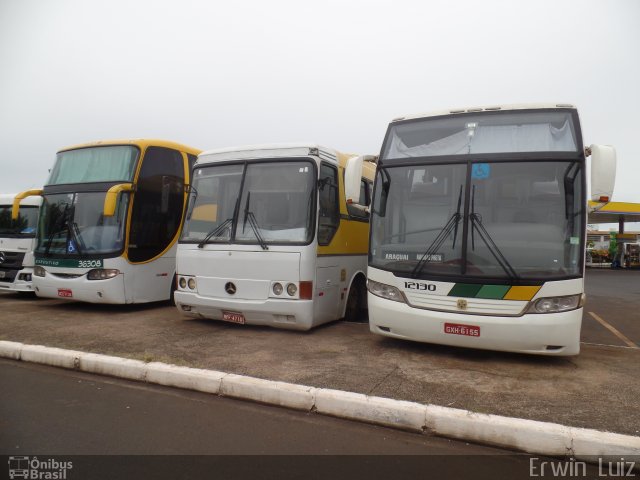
(110, 220)
(478, 228)
(270, 240)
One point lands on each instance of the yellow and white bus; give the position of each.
(269, 238)
(110, 220)
(478, 226)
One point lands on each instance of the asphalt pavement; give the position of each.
(64, 415)
(596, 389)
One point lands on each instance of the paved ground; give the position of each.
(597, 389)
(46, 409)
(55, 413)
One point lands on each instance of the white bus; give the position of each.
(270, 240)
(478, 228)
(17, 241)
(110, 220)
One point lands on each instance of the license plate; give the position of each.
(65, 293)
(2, 274)
(459, 329)
(233, 317)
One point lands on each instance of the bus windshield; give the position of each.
(257, 203)
(522, 220)
(24, 226)
(95, 164)
(72, 224)
(488, 132)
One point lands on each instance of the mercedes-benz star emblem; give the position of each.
(230, 288)
(2, 257)
(462, 304)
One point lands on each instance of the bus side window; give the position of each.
(329, 207)
(157, 204)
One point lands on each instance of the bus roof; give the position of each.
(139, 142)
(7, 199)
(492, 108)
(277, 150)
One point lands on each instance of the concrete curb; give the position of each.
(530, 436)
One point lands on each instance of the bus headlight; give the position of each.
(102, 273)
(292, 289)
(191, 283)
(556, 304)
(277, 288)
(39, 271)
(182, 282)
(385, 291)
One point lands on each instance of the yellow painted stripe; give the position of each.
(521, 293)
(614, 330)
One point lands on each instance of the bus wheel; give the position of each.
(356, 310)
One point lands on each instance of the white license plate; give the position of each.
(233, 317)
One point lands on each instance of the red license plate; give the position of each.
(65, 292)
(459, 329)
(233, 317)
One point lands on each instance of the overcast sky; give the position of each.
(215, 74)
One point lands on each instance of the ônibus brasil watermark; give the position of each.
(38, 469)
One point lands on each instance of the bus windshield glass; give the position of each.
(488, 132)
(96, 164)
(72, 224)
(523, 220)
(24, 226)
(257, 203)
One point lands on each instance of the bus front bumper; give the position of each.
(288, 314)
(540, 334)
(21, 283)
(80, 289)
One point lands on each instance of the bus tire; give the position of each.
(356, 308)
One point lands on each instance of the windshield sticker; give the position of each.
(480, 171)
(574, 240)
(435, 257)
(396, 256)
(71, 247)
(399, 256)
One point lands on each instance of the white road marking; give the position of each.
(614, 330)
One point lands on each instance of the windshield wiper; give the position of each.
(476, 223)
(216, 231)
(248, 215)
(452, 224)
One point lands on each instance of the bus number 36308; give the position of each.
(89, 263)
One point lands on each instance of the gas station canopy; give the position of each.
(613, 212)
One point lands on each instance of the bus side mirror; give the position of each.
(111, 198)
(603, 172)
(352, 179)
(15, 209)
